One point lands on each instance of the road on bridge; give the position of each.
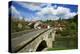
(17, 42)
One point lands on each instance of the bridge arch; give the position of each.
(41, 45)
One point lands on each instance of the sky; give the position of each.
(32, 11)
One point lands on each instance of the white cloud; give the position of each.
(69, 15)
(62, 11)
(36, 18)
(50, 17)
(32, 6)
(59, 11)
(46, 10)
(56, 11)
(15, 12)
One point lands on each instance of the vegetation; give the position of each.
(67, 38)
(71, 27)
(18, 25)
(50, 49)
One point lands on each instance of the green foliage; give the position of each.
(71, 28)
(67, 39)
(14, 25)
(50, 49)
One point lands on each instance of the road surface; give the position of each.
(20, 41)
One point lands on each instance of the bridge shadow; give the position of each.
(41, 46)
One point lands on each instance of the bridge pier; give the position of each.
(51, 39)
(49, 43)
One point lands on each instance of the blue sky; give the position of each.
(42, 11)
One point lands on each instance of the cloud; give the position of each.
(56, 11)
(49, 17)
(15, 12)
(70, 15)
(32, 6)
(45, 11)
(64, 12)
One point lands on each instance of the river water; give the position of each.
(66, 43)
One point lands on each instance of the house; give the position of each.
(59, 26)
(39, 25)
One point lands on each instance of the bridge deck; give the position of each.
(20, 41)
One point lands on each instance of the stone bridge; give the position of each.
(33, 41)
